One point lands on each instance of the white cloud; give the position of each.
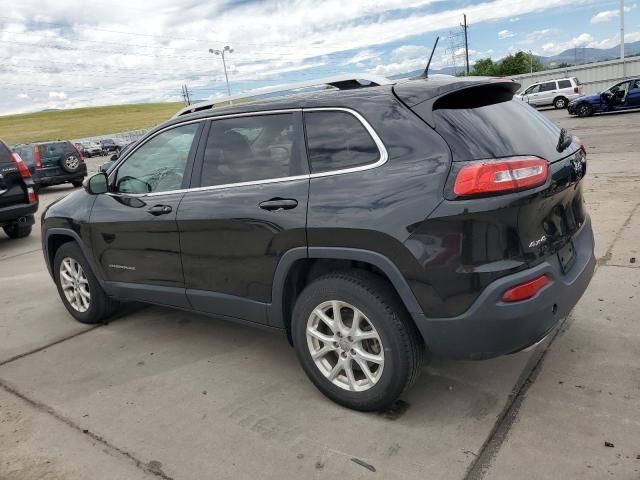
(22, 96)
(607, 15)
(502, 34)
(60, 95)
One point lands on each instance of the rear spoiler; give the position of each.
(430, 94)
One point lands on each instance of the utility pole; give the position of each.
(185, 95)
(624, 66)
(466, 42)
(228, 49)
(531, 61)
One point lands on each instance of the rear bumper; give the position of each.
(41, 178)
(14, 212)
(491, 327)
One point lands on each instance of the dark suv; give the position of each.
(53, 163)
(18, 199)
(370, 224)
(109, 145)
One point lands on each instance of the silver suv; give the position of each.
(553, 92)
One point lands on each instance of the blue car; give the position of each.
(621, 96)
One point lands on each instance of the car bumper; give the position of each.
(491, 327)
(56, 177)
(14, 212)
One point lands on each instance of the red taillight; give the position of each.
(22, 168)
(36, 157)
(78, 152)
(33, 198)
(576, 89)
(525, 290)
(500, 176)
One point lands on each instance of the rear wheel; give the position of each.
(584, 110)
(17, 230)
(78, 287)
(70, 163)
(560, 103)
(355, 340)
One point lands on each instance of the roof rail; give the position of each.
(341, 82)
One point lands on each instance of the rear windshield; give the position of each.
(497, 130)
(55, 149)
(25, 152)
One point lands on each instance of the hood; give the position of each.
(589, 98)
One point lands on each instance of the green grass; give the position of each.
(83, 122)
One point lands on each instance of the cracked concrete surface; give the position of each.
(162, 393)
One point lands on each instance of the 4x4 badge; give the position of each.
(537, 243)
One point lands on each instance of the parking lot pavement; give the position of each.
(165, 393)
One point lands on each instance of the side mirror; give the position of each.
(114, 157)
(96, 184)
(104, 167)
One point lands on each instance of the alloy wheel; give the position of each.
(75, 284)
(345, 346)
(71, 162)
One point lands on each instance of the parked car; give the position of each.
(18, 199)
(621, 96)
(553, 92)
(53, 163)
(109, 145)
(89, 149)
(370, 225)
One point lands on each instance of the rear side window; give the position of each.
(26, 153)
(338, 140)
(564, 83)
(248, 149)
(547, 86)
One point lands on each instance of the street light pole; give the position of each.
(228, 49)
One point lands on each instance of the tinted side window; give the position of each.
(337, 140)
(548, 86)
(248, 149)
(564, 83)
(158, 165)
(5, 154)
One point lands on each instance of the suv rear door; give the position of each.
(12, 189)
(133, 227)
(247, 208)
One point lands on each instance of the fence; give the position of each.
(122, 138)
(594, 77)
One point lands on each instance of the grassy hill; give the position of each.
(83, 122)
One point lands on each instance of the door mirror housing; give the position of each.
(96, 184)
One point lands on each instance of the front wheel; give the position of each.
(355, 340)
(78, 287)
(584, 110)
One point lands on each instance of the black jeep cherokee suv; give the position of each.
(370, 225)
(18, 199)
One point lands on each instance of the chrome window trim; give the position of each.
(384, 155)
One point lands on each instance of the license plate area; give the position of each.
(567, 256)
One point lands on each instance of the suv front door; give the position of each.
(133, 227)
(250, 208)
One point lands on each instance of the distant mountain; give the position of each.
(580, 55)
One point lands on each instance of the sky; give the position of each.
(79, 53)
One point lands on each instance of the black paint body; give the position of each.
(218, 252)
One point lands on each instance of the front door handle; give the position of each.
(276, 204)
(160, 210)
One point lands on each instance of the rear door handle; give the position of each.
(276, 204)
(160, 210)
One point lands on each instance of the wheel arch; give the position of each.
(299, 266)
(55, 238)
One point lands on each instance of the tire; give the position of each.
(99, 306)
(16, 230)
(76, 183)
(560, 103)
(70, 163)
(397, 342)
(584, 110)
